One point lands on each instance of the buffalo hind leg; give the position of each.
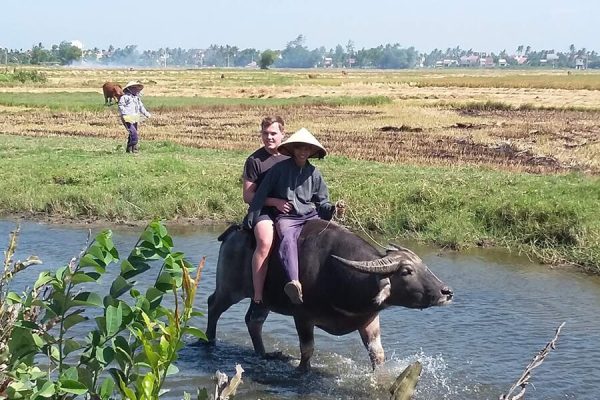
(371, 337)
(217, 305)
(306, 335)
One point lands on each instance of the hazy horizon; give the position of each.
(263, 24)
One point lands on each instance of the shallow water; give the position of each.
(505, 311)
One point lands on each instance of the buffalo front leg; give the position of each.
(306, 335)
(255, 318)
(371, 338)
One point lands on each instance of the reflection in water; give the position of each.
(506, 309)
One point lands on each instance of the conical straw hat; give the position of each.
(305, 137)
(133, 83)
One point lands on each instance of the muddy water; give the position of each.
(506, 310)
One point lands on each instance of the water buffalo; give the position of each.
(345, 281)
(111, 91)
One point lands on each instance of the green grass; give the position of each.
(535, 79)
(494, 105)
(22, 76)
(529, 78)
(91, 101)
(556, 218)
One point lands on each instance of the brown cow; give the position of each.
(111, 91)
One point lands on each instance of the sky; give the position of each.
(481, 25)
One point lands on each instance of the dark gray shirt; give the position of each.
(303, 186)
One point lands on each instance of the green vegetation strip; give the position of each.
(556, 218)
(541, 80)
(91, 101)
(492, 105)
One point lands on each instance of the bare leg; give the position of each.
(263, 231)
(371, 338)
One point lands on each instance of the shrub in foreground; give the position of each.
(135, 340)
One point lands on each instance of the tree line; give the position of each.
(295, 55)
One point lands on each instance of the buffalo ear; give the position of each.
(385, 289)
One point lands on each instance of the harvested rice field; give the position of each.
(540, 122)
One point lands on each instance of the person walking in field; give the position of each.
(302, 195)
(256, 167)
(132, 110)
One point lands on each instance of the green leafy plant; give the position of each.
(135, 340)
(10, 304)
(25, 76)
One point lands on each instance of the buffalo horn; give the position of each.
(385, 265)
(394, 246)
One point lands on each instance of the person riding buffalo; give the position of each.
(302, 195)
(256, 167)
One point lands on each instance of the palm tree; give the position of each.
(572, 50)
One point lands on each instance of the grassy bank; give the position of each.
(554, 217)
(88, 101)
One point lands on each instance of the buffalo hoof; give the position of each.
(303, 368)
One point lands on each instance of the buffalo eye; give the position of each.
(407, 271)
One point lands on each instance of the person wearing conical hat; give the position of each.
(305, 195)
(131, 110)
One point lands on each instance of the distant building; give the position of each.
(469, 61)
(486, 62)
(551, 59)
(502, 62)
(448, 62)
(327, 62)
(521, 59)
(580, 63)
